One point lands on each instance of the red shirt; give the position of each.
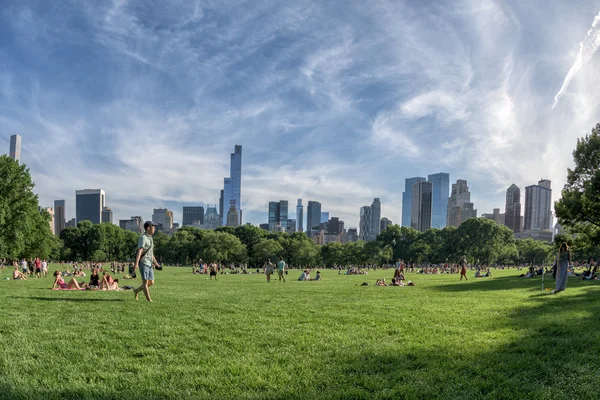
(38, 263)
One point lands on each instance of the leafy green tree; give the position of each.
(400, 239)
(332, 254)
(266, 249)
(485, 241)
(21, 226)
(301, 251)
(579, 206)
(222, 247)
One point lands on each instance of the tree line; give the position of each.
(25, 232)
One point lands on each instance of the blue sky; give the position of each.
(335, 101)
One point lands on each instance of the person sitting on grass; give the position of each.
(94, 278)
(318, 277)
(18, 275)
(60, 284)
(304, 276)
(108, 283)
(396, 282)
(478, 273)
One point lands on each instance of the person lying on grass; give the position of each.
(60, 284)
(381, 282)
(18, 274)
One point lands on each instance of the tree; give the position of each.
(400, 239)
(266, 249)
(222, 247)
(579, 207)
(21, 225)
(485, 241)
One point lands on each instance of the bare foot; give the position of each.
(136, 295)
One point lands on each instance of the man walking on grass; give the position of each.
(281, 269)
(145, 260)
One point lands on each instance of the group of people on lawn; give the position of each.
(96, 283)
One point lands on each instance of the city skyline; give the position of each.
(334, 108)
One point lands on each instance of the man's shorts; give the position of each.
(213, 273)
(280, 272)
(147, 272)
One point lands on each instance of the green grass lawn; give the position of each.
(240, 337)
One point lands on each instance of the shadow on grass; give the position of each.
(8, 391)
(75, 300)
(555, 357)
(510, 283)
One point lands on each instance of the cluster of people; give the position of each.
(107, 282)
(305, 276)
(395, 282)
(33, 267)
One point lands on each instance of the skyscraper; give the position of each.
(89, 204)
(512, 213)
(221, 200)
(421, 206)
(15, 148)
(299, 216)
(384, 224)
(192, 214)
(538, 206)
(163, 218)
(50, 211)
(232, 215)
(439, 199)
(459, 206)
(212, 219)
(313, 217)
(407, 199)
(324, 216)
(365, 224)
(375, 218)
(107, 215)
(278, 216)
(134, 224)
(232, 190)
(60, 219)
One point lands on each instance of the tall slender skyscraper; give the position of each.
(407, 199)
(15, 148)
(233, 185)
(299, 216)
(365, 224)
(512, 213)
(538, 206)
(89, 204)
(421, 206)
(439, 199)
(375, 219)
(313, 217)
(60, 219)
(459, 206)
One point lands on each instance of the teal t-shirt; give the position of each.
(145, 242)
(281, 265)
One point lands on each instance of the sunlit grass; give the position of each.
(240, 337)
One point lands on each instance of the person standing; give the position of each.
(281, 269)
(268, 270)
(213, 270)
(145, 260)
(38, 267)
(463, 268)
(45, 268)
(563, 260)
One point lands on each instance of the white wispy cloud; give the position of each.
(339, 107)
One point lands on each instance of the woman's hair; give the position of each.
(564, 246)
